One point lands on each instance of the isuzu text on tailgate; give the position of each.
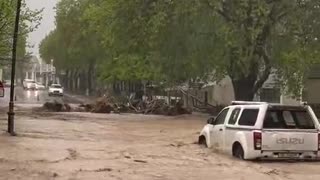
(257, 130)
(290, 141)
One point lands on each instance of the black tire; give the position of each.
(238, 152)
(202, 141)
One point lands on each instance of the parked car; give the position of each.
(29, 84)
(40, 86)
(255, 130)
(55, 90)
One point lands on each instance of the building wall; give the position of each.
(222, 93)
(219, 94)
(312, 88)
(288, 100)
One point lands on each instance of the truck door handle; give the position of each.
(220, 129)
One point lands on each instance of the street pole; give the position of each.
(13, 70)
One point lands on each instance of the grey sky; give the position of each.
(47, 23)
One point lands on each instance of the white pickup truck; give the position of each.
(257, 130)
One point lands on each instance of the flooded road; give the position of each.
(33, 97)
(70, 146)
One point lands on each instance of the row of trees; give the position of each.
(175, 41)
(29, 21)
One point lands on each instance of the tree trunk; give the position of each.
(90, 77)
(79, 83)
(74, 80)
(244, 89)
(94, 80)
(84, 81)
(70, 79)
(65, 80)
(76, 77)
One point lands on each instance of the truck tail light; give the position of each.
(257, 140)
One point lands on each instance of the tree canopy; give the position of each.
(175, 41)
(29, 21)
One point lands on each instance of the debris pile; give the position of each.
(56, 106)
(85, 108)
(108, 104)
(156, 107)
(160, 107)
(102, 105)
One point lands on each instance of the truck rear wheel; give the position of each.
(237, 151)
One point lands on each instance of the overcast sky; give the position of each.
(47, 23)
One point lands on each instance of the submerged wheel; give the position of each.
(238, 151)
(202, 141)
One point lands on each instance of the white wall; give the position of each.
(220, 93)
(312, 87)
(285, 99)
(223, 92)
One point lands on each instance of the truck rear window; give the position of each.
(248, 117)
(288, 119)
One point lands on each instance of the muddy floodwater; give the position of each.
(70, 146)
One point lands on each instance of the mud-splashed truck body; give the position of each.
(257, 130)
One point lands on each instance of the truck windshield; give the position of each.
(288, 119)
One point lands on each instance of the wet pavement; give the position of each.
(34, 97)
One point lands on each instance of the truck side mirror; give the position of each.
(210, 120)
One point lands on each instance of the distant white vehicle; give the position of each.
(40, 86)
(255, 130)
(55, 90)
(29, 84)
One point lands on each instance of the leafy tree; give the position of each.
(243, 39)
(72, 45)
(176, 41)
(271, 34)
(29, 21)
